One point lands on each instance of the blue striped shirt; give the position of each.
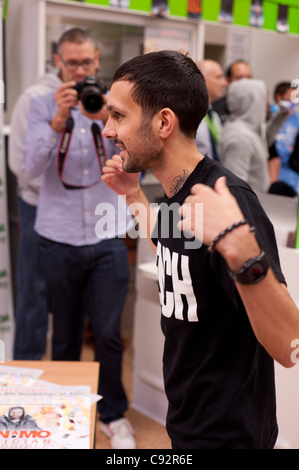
(75, 217)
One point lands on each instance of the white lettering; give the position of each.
(171, 301)
(164, 268)
(138, 209)
(106, 225)
(183, 287)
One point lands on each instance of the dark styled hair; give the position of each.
(281, 88)
(76, 36)
(168, 79)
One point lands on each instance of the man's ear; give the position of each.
(57, 61)
(167, 120)
(97, 59)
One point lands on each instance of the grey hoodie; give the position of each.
(28, 188)
(243, 150)
(25, 422)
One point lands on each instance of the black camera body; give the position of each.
(90, 92)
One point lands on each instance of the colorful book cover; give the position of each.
(282, 24)
(160, 8)
(194, 9)
(256, 17)
(226, 11)
(120, 3)
(45, 416)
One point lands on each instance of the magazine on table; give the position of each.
(45, 415)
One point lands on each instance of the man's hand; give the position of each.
(66, 98)
(220, 210)
(121, 182)
(102, 115)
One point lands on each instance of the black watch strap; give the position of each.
(253, 271)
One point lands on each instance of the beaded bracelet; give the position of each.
(211, 247)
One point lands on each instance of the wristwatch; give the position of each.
(253, 271)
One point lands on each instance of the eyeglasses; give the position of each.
(72, 65)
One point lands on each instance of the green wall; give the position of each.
(211, 8)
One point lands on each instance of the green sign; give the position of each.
(211, 10)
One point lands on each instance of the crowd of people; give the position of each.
(248, 133)
(148, 122)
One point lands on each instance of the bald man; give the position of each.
(207, 137)
(236, 71)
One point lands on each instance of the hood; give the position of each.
(12, 408)
(247, 102)
(50, 80)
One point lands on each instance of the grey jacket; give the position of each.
(243, 150)
(26, 422)
(28, 188)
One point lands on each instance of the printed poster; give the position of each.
(18, 376)
(160, 8)
(282, 24)
(194, 9)
(45, 416)
(158, 39)
(238, 45)
(226, 11)
(256, 17)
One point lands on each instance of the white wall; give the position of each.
(274, 57)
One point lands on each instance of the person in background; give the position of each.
(243, 150)
(236, 71)
(31, 315)
(225, 310)
(282, 140)
(84, 260)
(207, 137)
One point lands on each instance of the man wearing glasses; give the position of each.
(86, 272)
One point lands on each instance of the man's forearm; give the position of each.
(272, 313)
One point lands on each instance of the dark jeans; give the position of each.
(89, 280)
(31, 316)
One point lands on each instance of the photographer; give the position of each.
(85, 272)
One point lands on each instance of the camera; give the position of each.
(90, 92)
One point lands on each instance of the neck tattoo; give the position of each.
(178, 182)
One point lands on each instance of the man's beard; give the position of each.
(150, 156)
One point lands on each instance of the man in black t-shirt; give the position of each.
(226, 312)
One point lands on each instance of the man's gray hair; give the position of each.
(76, 36)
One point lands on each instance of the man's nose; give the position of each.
(108, 131)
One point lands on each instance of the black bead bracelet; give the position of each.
(211, 247)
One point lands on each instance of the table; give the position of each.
(68, 373)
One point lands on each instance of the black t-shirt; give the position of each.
(219, 380)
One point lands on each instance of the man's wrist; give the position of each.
(238, 246)
(135, 196)
(58, 123)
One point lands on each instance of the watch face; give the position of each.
(257, 270)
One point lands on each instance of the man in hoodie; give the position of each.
(17, 418)
(31, 316)
(243, 149)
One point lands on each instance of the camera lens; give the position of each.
(91, 98)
